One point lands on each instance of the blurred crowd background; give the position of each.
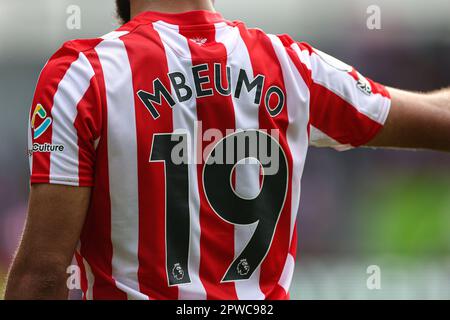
(361, 208)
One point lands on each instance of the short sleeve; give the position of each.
(64, 121)
(347, 110)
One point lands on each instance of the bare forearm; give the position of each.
(27, 284)
(55, 219)
(33, 282)
(417, 121)
(440, 98)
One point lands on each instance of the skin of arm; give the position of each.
(55, 219)
(417, 121)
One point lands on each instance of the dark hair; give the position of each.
(123, 10)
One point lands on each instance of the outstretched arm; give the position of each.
(417, 121)
(55, 218)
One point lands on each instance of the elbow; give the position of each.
(37, 282)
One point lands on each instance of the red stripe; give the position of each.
(217, 236)
(293, 247)
(378, 88)
(152, 231)
(96, 246)
(88, 126)
(337, 118)
(278, 293)
(265, 62)
(233, 179)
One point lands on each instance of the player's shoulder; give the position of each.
(289, 42)
(285, 39)
(71, 50)
(61, 60)
(76, 46)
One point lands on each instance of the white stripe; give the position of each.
(71, 89)
(30, 142)
(298, 100)
(184, 118)
(320, 139)
(173, 39)
(288, 272)
(344, 85)
(247, 176)
(114, 35)
(123, 165)
(303, 55)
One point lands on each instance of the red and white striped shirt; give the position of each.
(108, 113)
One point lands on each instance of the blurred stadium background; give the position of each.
(360, 208)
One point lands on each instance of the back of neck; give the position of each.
(170, 6)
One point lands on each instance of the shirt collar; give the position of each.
(190, 18)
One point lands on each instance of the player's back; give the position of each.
(192, 131)
(181, 86)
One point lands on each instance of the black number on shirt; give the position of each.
(264, 210)
(177, 204)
